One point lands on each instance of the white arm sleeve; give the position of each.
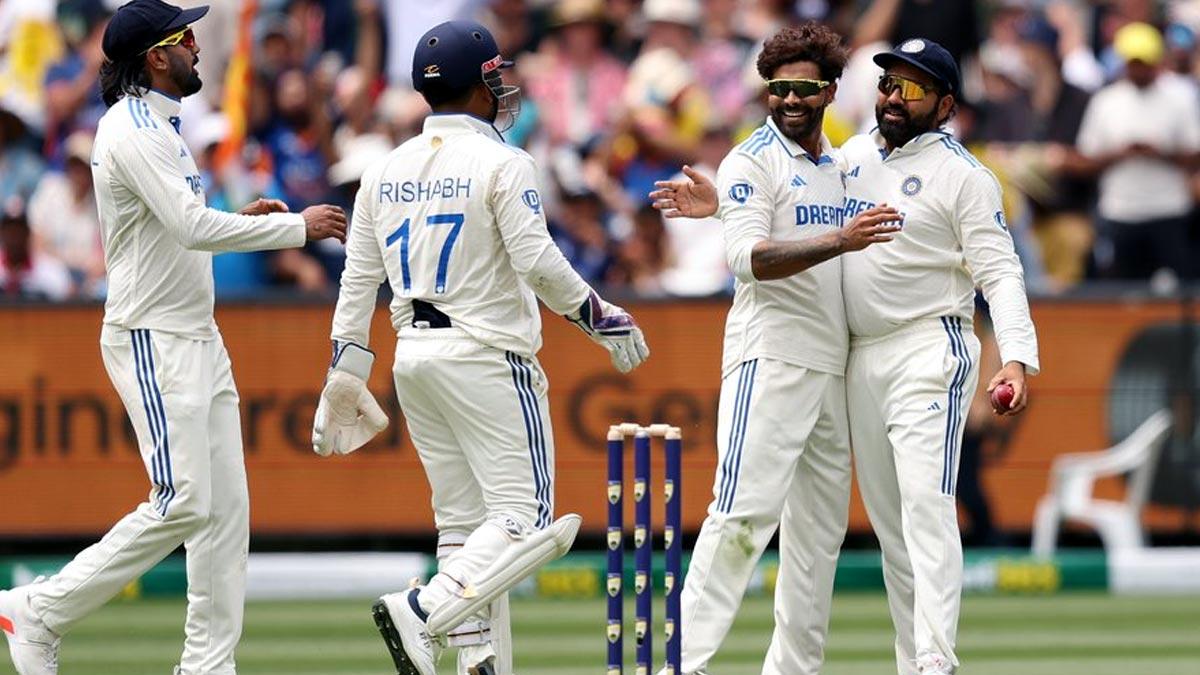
(517, 206)
(149, 166)
(362, 275)
(993, 262)
(745, 195)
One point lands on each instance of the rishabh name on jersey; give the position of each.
(954, 237)
(435, 221)
(769, 187)
(158, 234)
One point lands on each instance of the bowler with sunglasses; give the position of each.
(914, 358)
(783, 442)
(164, 354)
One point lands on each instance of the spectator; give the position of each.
(575, 82)
(578, 229)
(300, 142)
(721, 59)
(695, 248)
(665, 106)
(64, 220)
(953, 24)
(73, 100)
(641, 257)
(20, 166)
(236, 274)
(1141, 135)
(24, 272)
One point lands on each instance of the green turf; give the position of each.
(1065, 634)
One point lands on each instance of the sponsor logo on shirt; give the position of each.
(533, 201)
(740, 192)
(797, 181)
(1000, 221)
(196, 183)
(819, 214)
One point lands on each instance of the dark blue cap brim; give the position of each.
(186, 17)
(887, 59)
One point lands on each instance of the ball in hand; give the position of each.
(1002, 397)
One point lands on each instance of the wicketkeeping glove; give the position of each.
(614, 329)
(347, 416)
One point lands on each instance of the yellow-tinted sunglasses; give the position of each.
(185, 36)
(909, 90)
(800, 87)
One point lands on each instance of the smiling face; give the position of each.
(799, 118)
(903, 112)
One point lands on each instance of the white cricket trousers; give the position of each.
(480, 421)
(183, 404)
(909, 393)
(783, 452)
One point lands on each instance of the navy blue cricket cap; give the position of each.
(139, 25)
(927, 56)
(454, 55)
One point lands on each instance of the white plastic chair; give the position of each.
(1073, 476)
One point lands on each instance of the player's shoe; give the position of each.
(33, 646)
(399, 619)
(934, 664)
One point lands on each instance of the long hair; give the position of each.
(123, 78)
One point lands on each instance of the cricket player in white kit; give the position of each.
(914, 358)
(453, 221)
(164, 354)
(782, 436)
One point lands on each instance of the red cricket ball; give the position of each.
(1002, 397)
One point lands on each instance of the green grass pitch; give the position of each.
(1064, 634)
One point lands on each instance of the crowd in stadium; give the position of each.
(1088, 113)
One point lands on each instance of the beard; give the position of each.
(907, 127)
(183, 73)
(800, 128)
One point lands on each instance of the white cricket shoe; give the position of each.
(33, 647)
(934, 664)
(403, 630)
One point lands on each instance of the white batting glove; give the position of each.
(347, 416)
(614, 329)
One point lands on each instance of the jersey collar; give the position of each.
(795, 150)
(167, 106)
(450, 123)
(920, 142)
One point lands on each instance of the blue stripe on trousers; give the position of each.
(151, 418)
(158, 415)
(953, 326)
(731, 467)
(522, 380)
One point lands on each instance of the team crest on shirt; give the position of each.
(533, 200)
(911, 186)
(740, 192)
(1000, 221)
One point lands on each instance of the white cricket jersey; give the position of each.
(770, 188)
(453, 217)
(158, 235)
(954, 237)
